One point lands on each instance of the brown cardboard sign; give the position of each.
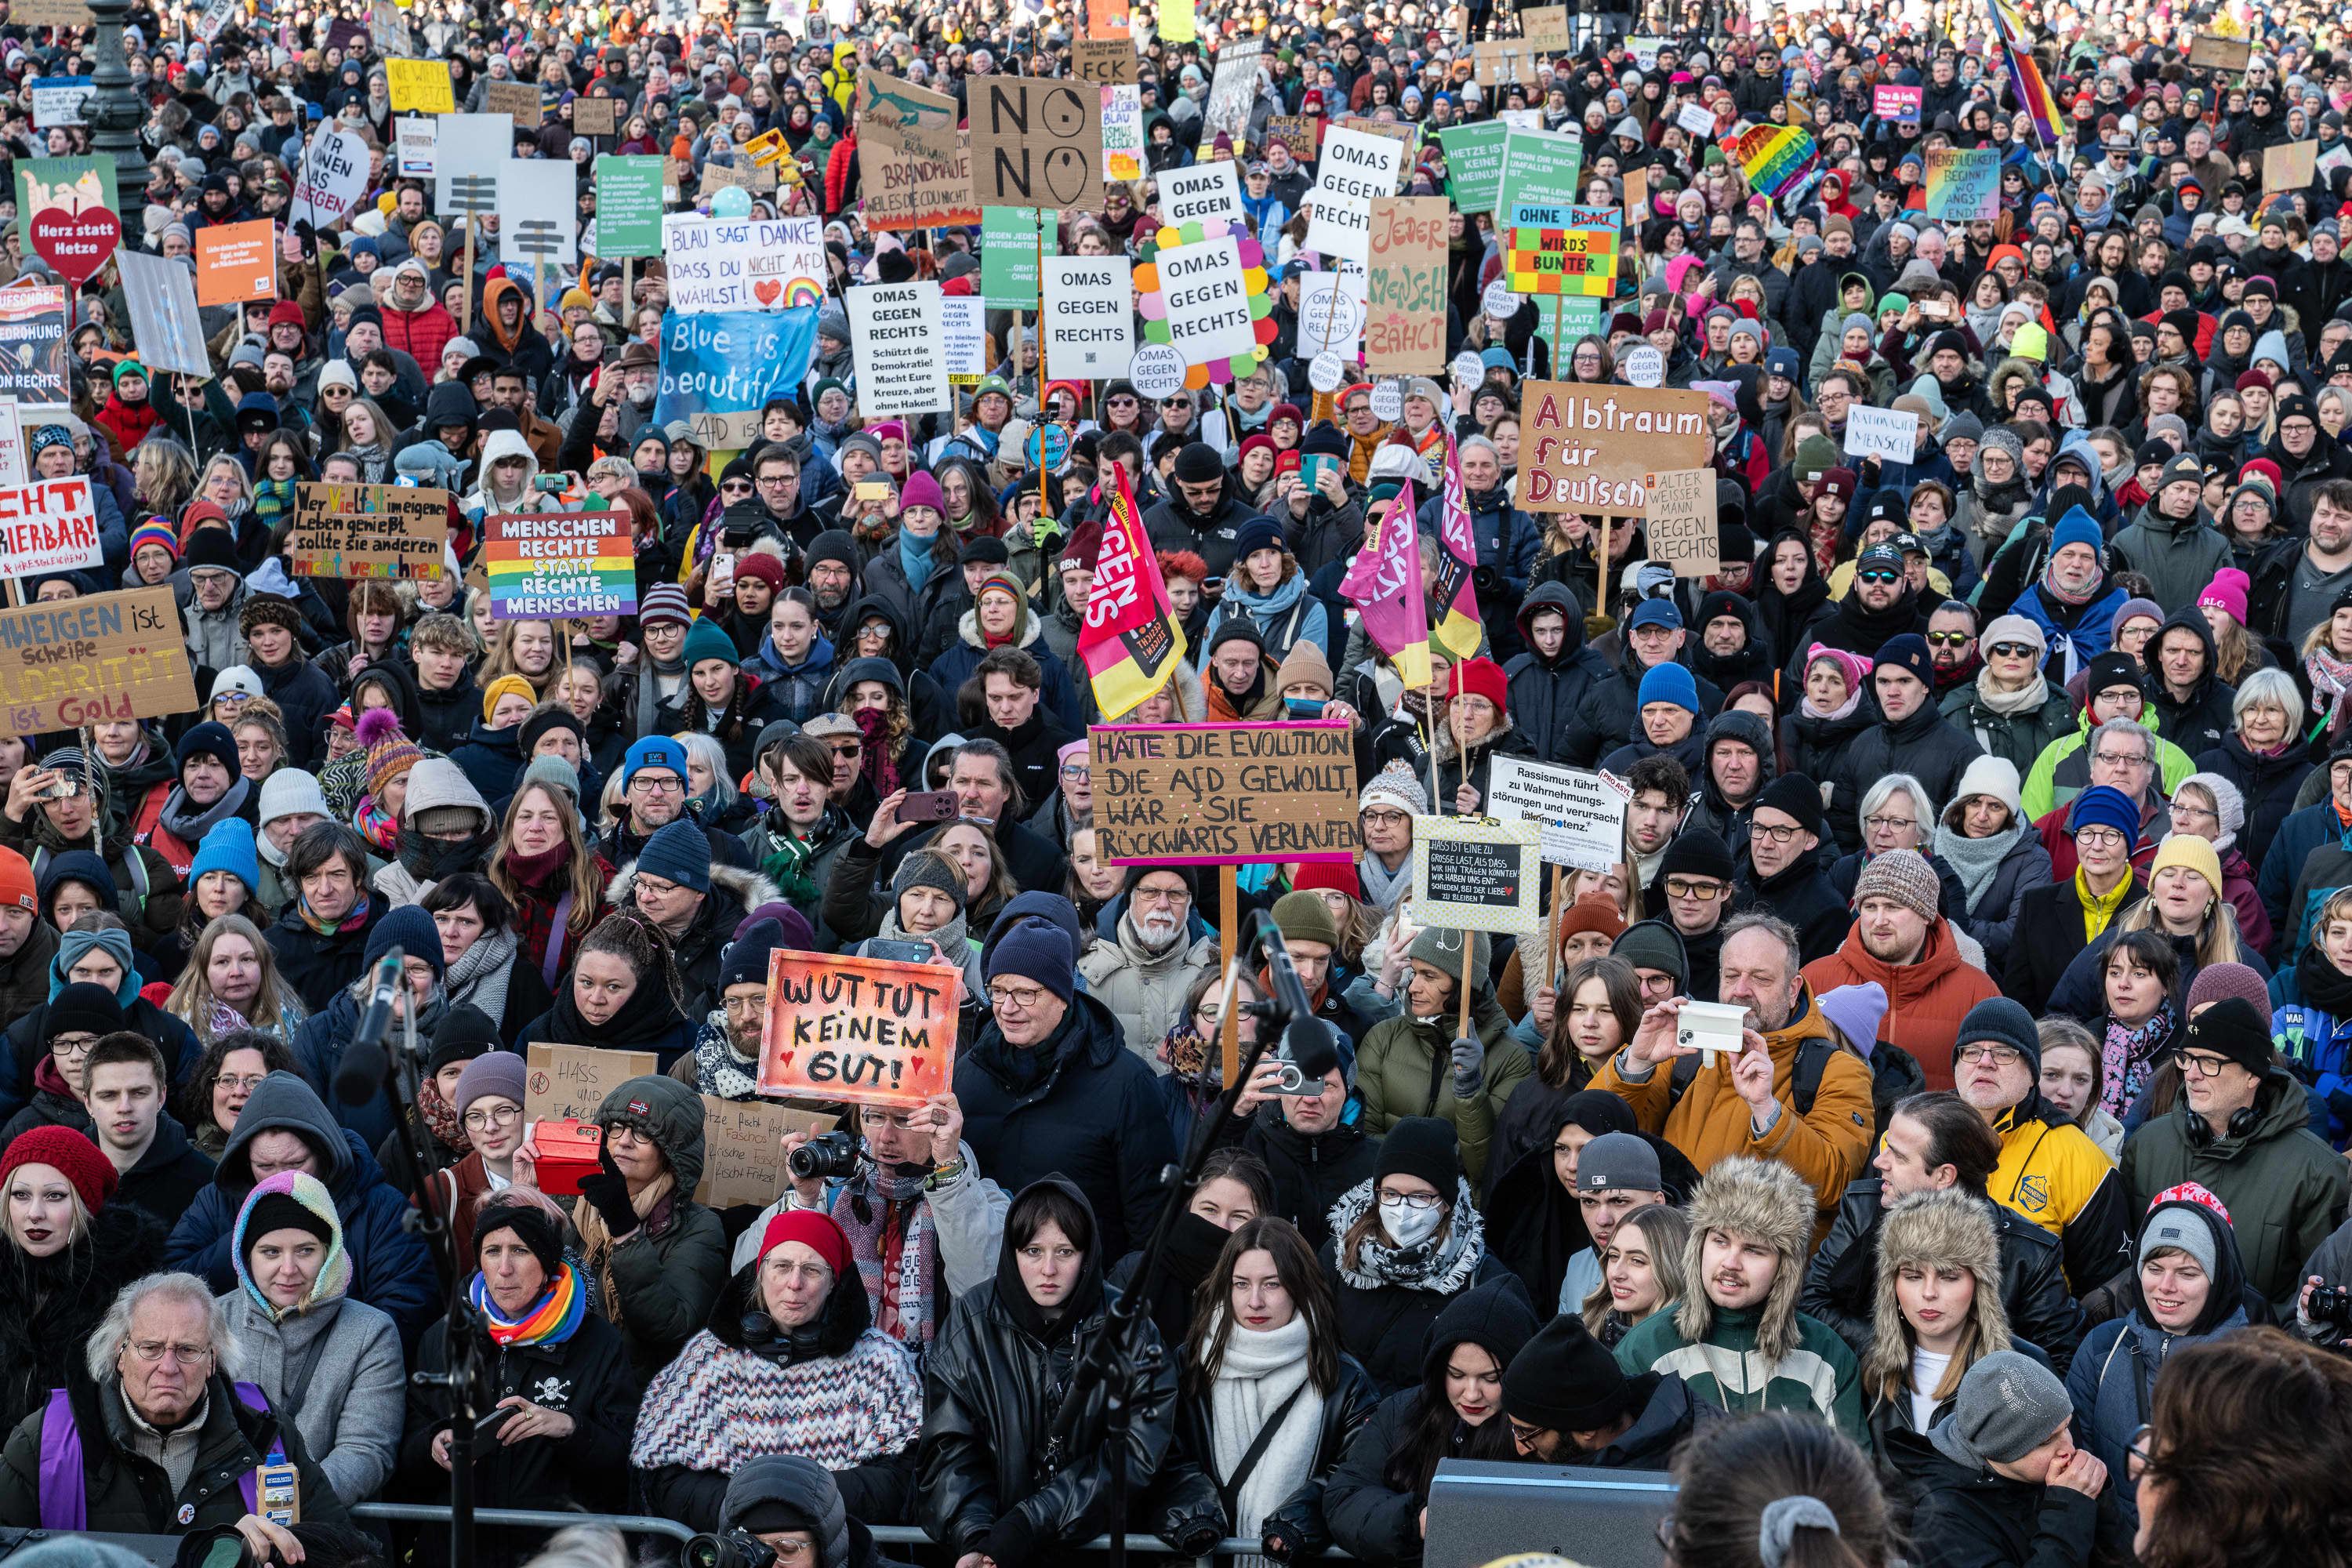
(520, 98)
(564, 1081)
(595, 116)
(744, 1149)
(1680, 523)
(1404, 327)
(1108, 62)
(2210, 51)
(109, 657)
(1590, 448)
(1545, 28)
(1036, 142)
(887, 106)
(2289, 166)
(925, 183)
(1223, 795)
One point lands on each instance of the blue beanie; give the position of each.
(1669, 682)
(679, 853)
(2078, 527)
(228, 847)
(2105, 805)
(705, 640)
(408, 928)
(1037, 950)
(1908, 651)
(652, 752)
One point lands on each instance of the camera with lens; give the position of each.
(737, 1548)
(2332, 1305)
(833, 1157)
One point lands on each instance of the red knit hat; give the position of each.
(74, 1156)
(1594, 911)
(17, 889)
(812, 1229)
(1339, 876)
(1480, 677)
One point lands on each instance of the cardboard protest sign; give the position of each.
(888, 107)
(1036, 142)
(369, 531)
(1011, 241)
(596, 116)
(870, 1031)
(237, 262)
(2210, 51)
(1899, 105)
(549, 564)
(68, 212)
(2289, 166)
(896, 331)
(1204, 192)
(333, 171)
(1295, 131)
(744, 1149)
(925, 183)
(1680, 523)
(628, 206)
(1590, 449)
(1889, 434)
(160, 296)
(1963, 183)
(111, 657)
(517, 98)
(1108, 19)
(33, 340)
(1105, 61)
(1544, 28)
(1579, 817)
(50, 525)
(1089, 316)
(1223, 795)
(1355, 169)
(424, 86)
(1405, 331)
(744, 264)
(1474, 164)
(1501, 62)
(561, 1082)
(1472, 874)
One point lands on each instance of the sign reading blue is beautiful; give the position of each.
(731, 362)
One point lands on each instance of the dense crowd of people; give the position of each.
(2007, 792)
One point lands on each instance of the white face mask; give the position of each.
(1409, 1228)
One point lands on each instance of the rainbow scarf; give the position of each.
(554, 1318)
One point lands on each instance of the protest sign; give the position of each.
(1206, 193)
(730, 363)
(58, 100)
(744, 264)
(1104, 61)
(2210, 51)
(423, 86)
(160, 296)
(595, 116)
(1122, 133)
(1563, 249)
(1501, 62)
(629, 206)
(871, 1031)
(1580, 815)
(15, 465)
(1544, 28)
(561, 1082)
(1223, 795)
(1680, 522)
(1294, 132)
(1356, 168)
(744, 1149)
(237, 262)
(216, 16)
(1232, 88)
(1470, 873)
(927, 183)
(1405, 328)
(1011, 241)
(388, 29)
(1474, 164)
(1645, 51)
(332, 173)
(413, 138)
(516, 98)
(1897, 104)
(50, 525)
(369, 531)
(895, 329)
(1180, 22)
(1963, 183)
(1889, 434)
(469, 150)
(33, 341)
(96, 660)
(1206, 300)
(1108, 19)
(1539, 166)
(67, 209)
(549, 564)
(1089, 316)
(537, 223)
(1036, 142)
(963, 339)
(2289, 166)
(1588, 449)
(1331, 311)
(888, 108)
(1696, 118)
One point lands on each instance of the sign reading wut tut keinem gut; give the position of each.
(1223, 795)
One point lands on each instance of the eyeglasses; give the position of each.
(2012, 651)
(2121, 759)
(234, 1081)
(72, 1044)
(2136, 1457)
(901, 1120)
(1997, 1055)
(1890, 822)
(1161, 896)
(1777, 835)
(2200, 1064)
(1950, 639)
(187, 1355)
(845, 748)
(2098, 838)
(1410, 1200)
(2192, 812)
(497, 1116)
(1021, 997)
(1386, 819)
(1077, 770)
(1877, 576)
(1685, 887)
(652, 784)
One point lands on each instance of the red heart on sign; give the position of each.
(785, 1058)
(766, 289)
(76, 244)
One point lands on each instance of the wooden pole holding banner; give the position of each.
(1232, 1058)
(1556, 306)
(1601, 603)
(1229, 1027)
(465, 299)
(1461, 1020)
(1551, 952)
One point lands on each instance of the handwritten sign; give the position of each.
(369, 531)
(1590, 449)
(1544, 28)
(1223, 795)
(744, 264)
(32, 341)
(518, 98)
(1680, 523)
(2289, 165)
(1405, 330)
(1294, 132)
(1899, 105)
(422, 86)
(1963, 183)
(237, 262)
(744, 1149)
(561, 1082)
(1579, 817)
(926, 184)
(1106, 62)
(595, 116)
(1476, 874)
(1036, 142)
(543, 564)
(2210, 51)
(871, 1031)
(1889, 434)
(48, 526)
(96, 660)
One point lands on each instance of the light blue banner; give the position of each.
(731, 362)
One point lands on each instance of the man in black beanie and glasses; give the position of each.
(1568, 1402)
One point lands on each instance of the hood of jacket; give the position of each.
(799, 1483)
(284, 1102)
(902, 649)
(2189, 617)
(1552, 596)
(506, 444)
(847, 1314)
(2225, 1293)
(1085, 1298)
(1739, 724)
(1767, 1200)
(450, 402)
(665, 1111)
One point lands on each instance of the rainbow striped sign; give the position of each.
(1774, 157)
(550, 564)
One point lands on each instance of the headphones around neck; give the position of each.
(2242, 1123)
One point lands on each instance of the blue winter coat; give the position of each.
(2318, 1046)
(796, 691)
(2291, 846)
(318, 1046)
(491, 759)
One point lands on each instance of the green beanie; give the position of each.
(705, 640)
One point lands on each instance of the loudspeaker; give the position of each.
(1479, 1510)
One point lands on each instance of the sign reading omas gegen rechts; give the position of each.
(369, 531)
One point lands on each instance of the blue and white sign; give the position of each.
(58, 100)
(731, 362)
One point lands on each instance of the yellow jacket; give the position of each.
(2052, 1173)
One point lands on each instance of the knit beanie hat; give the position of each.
(1817, 455)
(1903, 876)
(228, 845)
(814, 1229)
(1594, 911)
(74, 1157)
(1619, 1162)
(1305, 916)
(408, 928)
(652, 752)
(2078, 527)
(2179, 1232)
(1483, 678)
(928, 869)
(1304, 665)
(2009, 1405)
(1999, 1021)
(466, 1033)
(390, 754)
(663, 605)
(744, 959)
(1334, 875)
(506, 686)
(2231, 1029)
(1857, 1011)
(1394, 787)
(501, 1073)
(205, 740)
(551, 770)
(2105, 805)
(1423, 1146)
(705, 640)
(2219, 982)
(2197, 854)
(155, 531)
(2227, 591)
(1441, 948)
(1037, 950)
(1564, 1380)
(1669, 682)
(290, 792)
(2110, 670)
(1906, 651)
(1697, 852)
(548, 717)
(2014, 629)
(83, 1007)
(1654, 944)
(679, 852)
(18, 890)
(2131, 609)
(1793, 794)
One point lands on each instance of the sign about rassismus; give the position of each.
(1223, 795)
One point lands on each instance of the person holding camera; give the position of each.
(789, 1507)
(792, 1363)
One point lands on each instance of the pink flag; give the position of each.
(1460, 630)
(1384, 583)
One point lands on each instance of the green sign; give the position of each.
(1577, 316)
(57, 192)
(1539, 166)
(1474, 164)
(628, 206)
(1009, 240)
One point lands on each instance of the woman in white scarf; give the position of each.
(1270, 1399)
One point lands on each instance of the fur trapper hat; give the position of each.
(1762, 1198)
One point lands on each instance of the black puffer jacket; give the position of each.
(1711, 810)
(1189, 1502)
(1922, 744)
(986, 1478)
(49, 1305)
(1608, 716)
(2268, 785)
(1310, 1173)
(1812, 746)
(2199, 723)
(1841, 1284)
(319, 966)
(1547, 694)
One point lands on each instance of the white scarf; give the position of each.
(1262, 1368)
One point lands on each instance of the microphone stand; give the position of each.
(463, 1373)
(1110, 1352)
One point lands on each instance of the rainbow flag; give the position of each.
(1775, 157)
(2010, 23)
(1461, 631)
(1384, 583)
(2034, 95)
(545, 564)
(1131, 641)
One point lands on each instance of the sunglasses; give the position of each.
(1876, 576)
(1949, 639)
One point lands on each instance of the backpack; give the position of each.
(64, 1484)
(1813, 1060)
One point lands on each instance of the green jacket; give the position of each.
(2285, 1189)
(2021, 738)
(1820, 1375)
(1406, 1067)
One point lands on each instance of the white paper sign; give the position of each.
(164, 326)
(330, 178)
(417, 135)
(14, 467)
(743, 264)
(1200, 193)
(1122, 134)
(963, 334)
(1330, 315)
(1888, 434)
(1356, 168)
(1697, 119)
(1582, 814)
(1643, 367)
(1500, 302)
(468, 152)
(1089, 316)
(896, 329)
(1208, 303)
(49, 525)
(537, 221)
(58, 100)
(1156, 372)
